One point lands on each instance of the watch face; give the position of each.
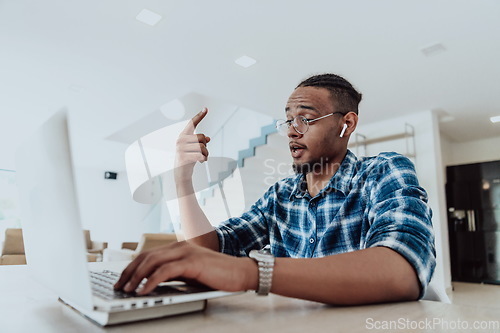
(261, 256)
(253, 254)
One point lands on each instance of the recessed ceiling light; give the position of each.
(433, 49)
(148, 17)
(495, 119)
(245, 61)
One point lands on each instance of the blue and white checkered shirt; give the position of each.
(373, 201)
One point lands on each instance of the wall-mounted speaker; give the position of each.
(110, 175)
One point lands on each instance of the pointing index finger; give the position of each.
(191, 125)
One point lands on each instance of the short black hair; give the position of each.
(344, 96)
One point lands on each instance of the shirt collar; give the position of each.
(341, 181)
(300, 187)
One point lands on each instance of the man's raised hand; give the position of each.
(190, 148)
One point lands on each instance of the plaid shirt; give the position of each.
(374, 201)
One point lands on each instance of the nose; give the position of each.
(292, 132)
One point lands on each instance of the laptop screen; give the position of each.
(53, 237)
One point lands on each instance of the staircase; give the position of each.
(266, 161)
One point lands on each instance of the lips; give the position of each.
(296, 149)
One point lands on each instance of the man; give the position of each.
(342, 231)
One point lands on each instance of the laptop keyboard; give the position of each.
(103, 282)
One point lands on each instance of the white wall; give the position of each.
(107, 208)
(456, 153)
(429, 168)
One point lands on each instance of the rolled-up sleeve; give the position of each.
(400, 218)
(239, 235)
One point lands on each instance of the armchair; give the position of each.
(13, 248)
(94, 249)
(130, 245)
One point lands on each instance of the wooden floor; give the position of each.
(475, 294)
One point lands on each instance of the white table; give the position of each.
(26, 306)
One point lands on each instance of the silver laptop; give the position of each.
(54, 241)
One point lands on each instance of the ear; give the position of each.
(351, 120)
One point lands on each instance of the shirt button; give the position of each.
(311, 240)
(313, 204)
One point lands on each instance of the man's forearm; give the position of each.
(368, 276)
(195, 225)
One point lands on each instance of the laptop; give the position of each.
(54, 242)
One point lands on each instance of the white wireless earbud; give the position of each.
(343, 130)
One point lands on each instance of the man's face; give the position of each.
(320, 146)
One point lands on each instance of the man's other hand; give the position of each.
(187, 261)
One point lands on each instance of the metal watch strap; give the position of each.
(265, 261)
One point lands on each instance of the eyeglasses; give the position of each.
(300, 124)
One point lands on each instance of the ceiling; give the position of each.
(112, 70)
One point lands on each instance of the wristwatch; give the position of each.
(265, 260)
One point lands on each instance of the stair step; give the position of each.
(267, 167)
(277, 140)
(276, 152)
(266, 161)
